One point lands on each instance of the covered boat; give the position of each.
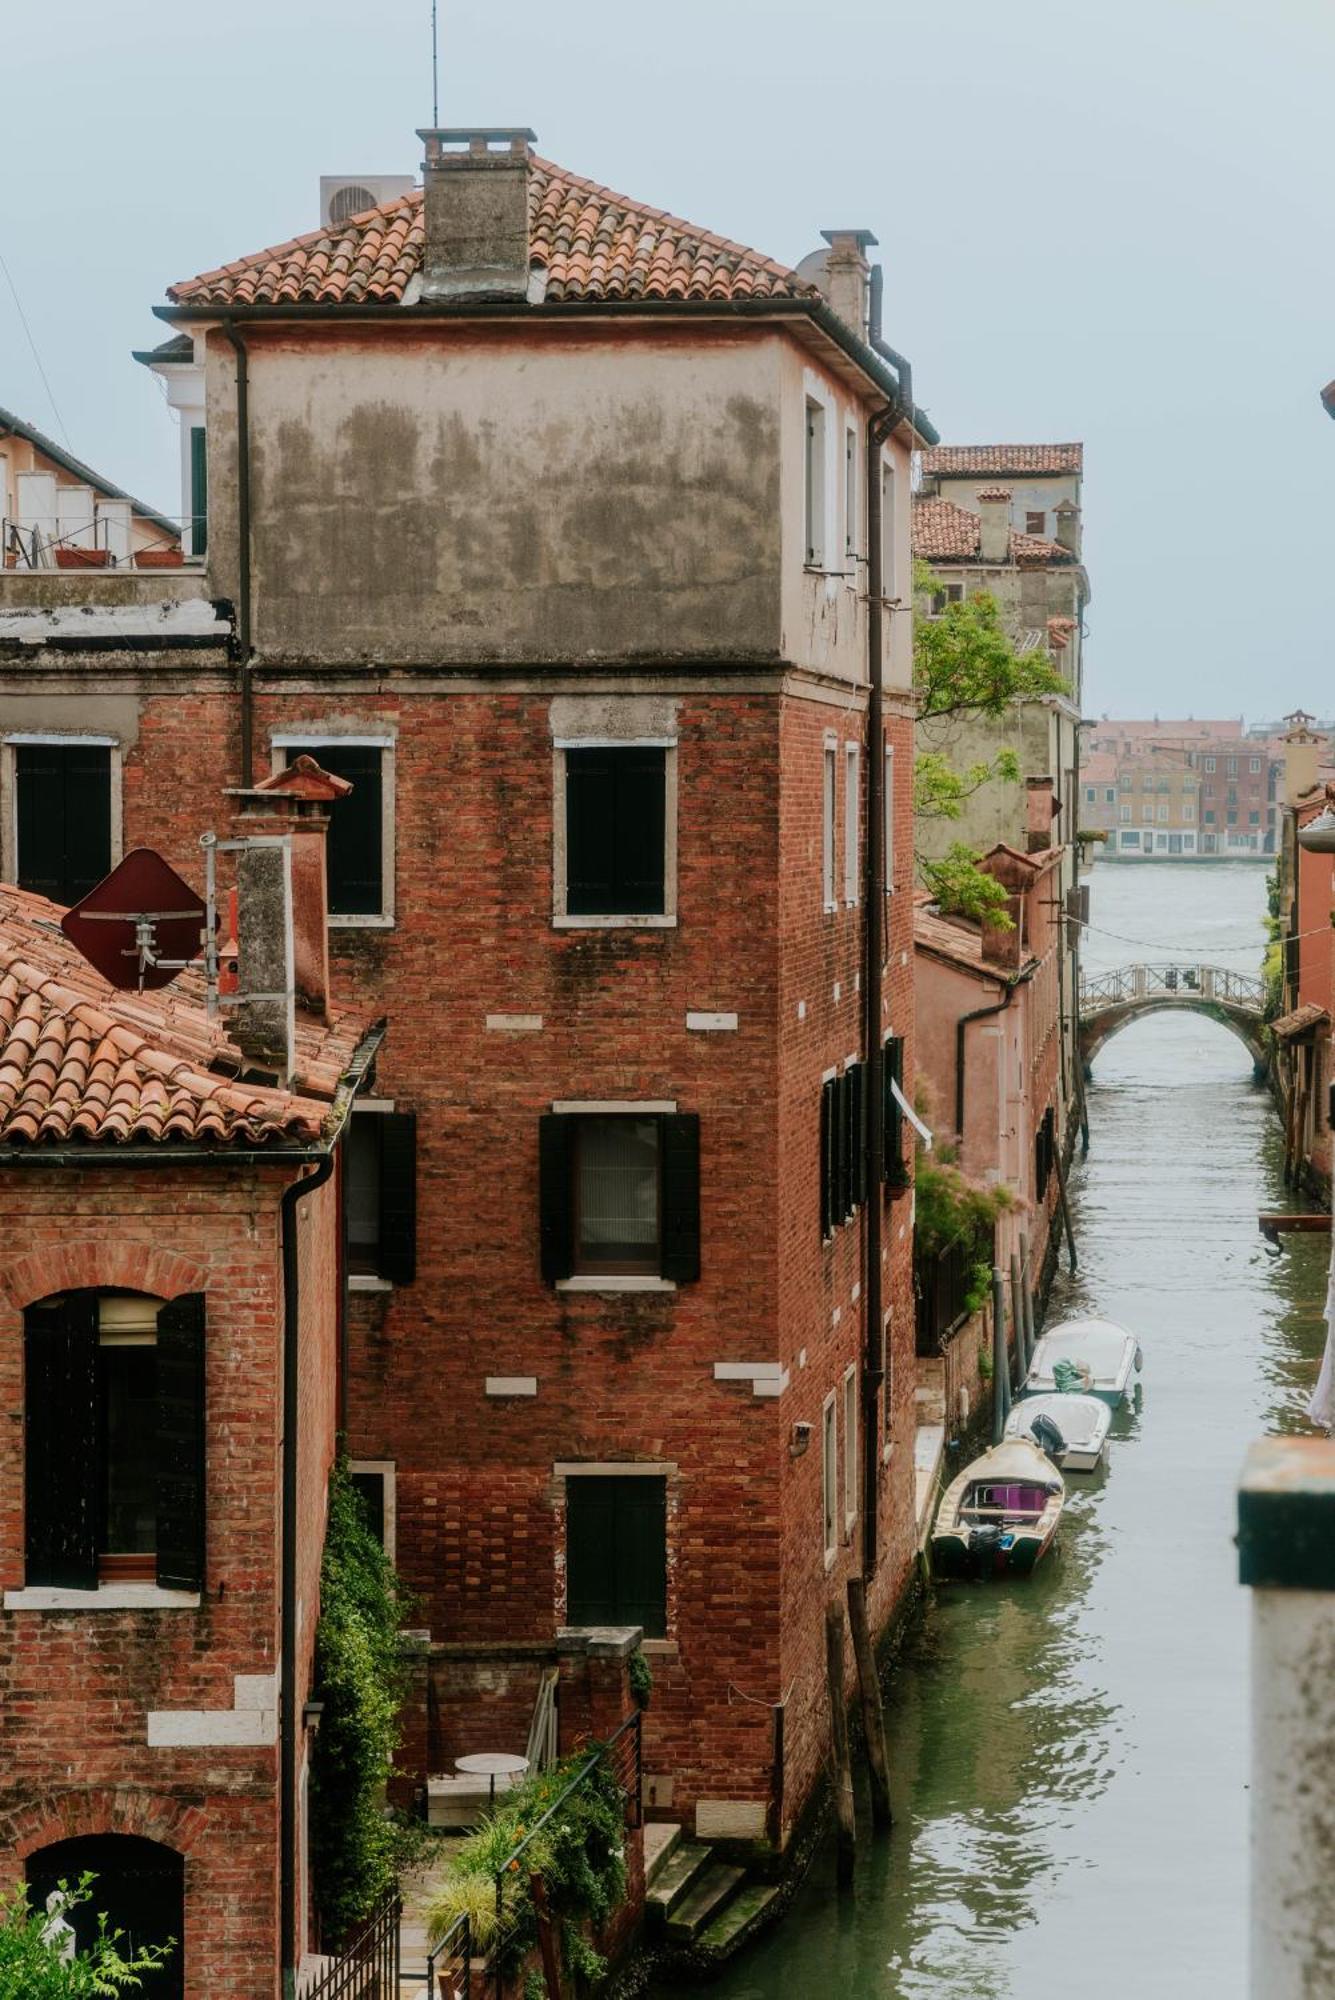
(1000, 1515)
(1072, 1430)
(1084, 1357)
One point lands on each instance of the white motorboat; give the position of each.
(1084, 1357)
(1000, 1515)
(1072, 1430)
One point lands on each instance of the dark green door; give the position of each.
(616, 1551)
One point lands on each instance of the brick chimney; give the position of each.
(846, 279)
(1068, 526)
(994, 514)
(476, 210)
(1006, 947)
(1041, 808)
(1302, 760)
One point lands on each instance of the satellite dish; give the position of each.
(141, 925)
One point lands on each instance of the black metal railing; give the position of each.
(449, 1966)
(368, 1966)
(941, 1287)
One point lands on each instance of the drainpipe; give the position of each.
(978, 1014)
(243, 543)
(287, 1691)
(879, 427)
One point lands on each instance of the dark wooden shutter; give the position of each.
(857, 1122)
(556, 1209)
(615, 822)
(680, 1168)
(827, 1091)
(199, 490)
(356, 827)
(398, 1195)
(62, 1445)
(180, 1443)
(892, 1072)
(64, 817)
(843, 1162)
(616, 1552)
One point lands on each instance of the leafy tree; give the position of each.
(965, 666)
(32, 1961)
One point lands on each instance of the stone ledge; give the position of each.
(1286, 1515)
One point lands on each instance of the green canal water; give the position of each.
(1070, 1754)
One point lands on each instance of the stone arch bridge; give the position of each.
(1110, 1001)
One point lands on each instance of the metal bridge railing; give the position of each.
(1130, 983)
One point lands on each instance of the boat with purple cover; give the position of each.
(999, 1517)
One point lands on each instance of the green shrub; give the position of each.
(641, 1677)
(31, 1968)
(359, 1678)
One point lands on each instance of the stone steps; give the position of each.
(662, 1838)
(683, 1867)
(713, 1886)
(740, 1918)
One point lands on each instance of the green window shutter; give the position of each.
(615, 821)
(857, 1121)
(180, 1443)
(199, 490)
(556, 1216)
(63, 818)
(616, 1552)
(680, 1169)
(640, 792)
(62, 1443)
(827, 1091)
(843, 1164)
(892, 1072)
(398, 1196)
(354, 855)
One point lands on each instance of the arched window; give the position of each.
(114, 1403)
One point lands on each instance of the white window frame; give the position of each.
(388, 1470)
(666, 920)
(1125, 814)
(283, 741)
(1165, 813)
(370, 1281)
(829, 808)
(889, 503)
(829, 1477)
(1147, 811)
(1188, 811)
(850, 1399)
(852, 510)
(888, 817)
(815, 484)
(9, 788)
(1210, 763)
(852, 821)
(1253, 763)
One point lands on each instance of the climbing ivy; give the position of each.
(949, 1208)
(359, 1678)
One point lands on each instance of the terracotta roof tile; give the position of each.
(81, 1063)
(1289, 1026)
(957, 939)
(1010, 459)
(943, 532)
(588, 241)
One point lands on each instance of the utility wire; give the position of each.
(23, 321)
(1203, 951)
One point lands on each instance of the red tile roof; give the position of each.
(943, 532)
(989, 459)
(81, 1063)
(956, 939)
(589, 242)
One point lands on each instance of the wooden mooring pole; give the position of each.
(869, 1691)
(1065, 1205)
(1001, 1401)
(1027, 1295)
(1018, 1322)
(845, 1822)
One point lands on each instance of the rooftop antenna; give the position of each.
(435, 73)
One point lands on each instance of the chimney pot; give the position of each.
(1041, 808)
(295, 803)
(475, 198)
(1068, 525)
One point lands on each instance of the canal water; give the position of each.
(1070, 1753)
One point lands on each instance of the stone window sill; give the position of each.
(363, 1281)
(609, 923)
(610, 1282)
(368, 923)
(107, 1597)
(666, 1650)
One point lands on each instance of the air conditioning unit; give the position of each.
(345, 195)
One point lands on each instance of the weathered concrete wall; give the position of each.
(501, 496)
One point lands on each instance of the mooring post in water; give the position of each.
(869, 1691)
(1286, 1553)
(1001, 1401)
(1017, 1321)
(846, 1832)
(1027, 1275)
(1065, 1206)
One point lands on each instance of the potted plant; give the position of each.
(70, 557)
(157, 556)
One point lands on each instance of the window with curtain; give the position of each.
(617, 1195)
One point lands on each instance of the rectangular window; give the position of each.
(1110, 796)
(380, 1195)
(888, 815)
(616, 1551)
(1231, 767)
(828, 780)
(1210, 764)
(1232, 797)
(616, 820)
(852, 812)
(889, 567)
(1131, 839)
(62, 817)
(620, 1195)
(1253, 764)
(850, 497)
(1091, 795)
(1188, 811)
(114, 1443)
(199, 491)
(1035, 522)
(892, 1111)
(1125, 812)
(843, 1146)
(1231, 818)
(814, 486)
(1254, 819)
(850, 1447)
(357, 825)
(1164, 812)
(830, 1476)
(1045, 1140)
(374, 1481)
(1147, 809)
(1209, 816)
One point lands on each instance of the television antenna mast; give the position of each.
(435, 72)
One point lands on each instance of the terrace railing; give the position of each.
(368, 1966)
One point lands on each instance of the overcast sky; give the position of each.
(1099, 219)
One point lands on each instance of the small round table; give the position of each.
(492, 1764)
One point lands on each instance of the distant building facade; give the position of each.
(1186, 790)
(57, 513)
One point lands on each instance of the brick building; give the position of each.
(161, 1524)
(566, 532)
(1305, 898)
(1189, 789)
